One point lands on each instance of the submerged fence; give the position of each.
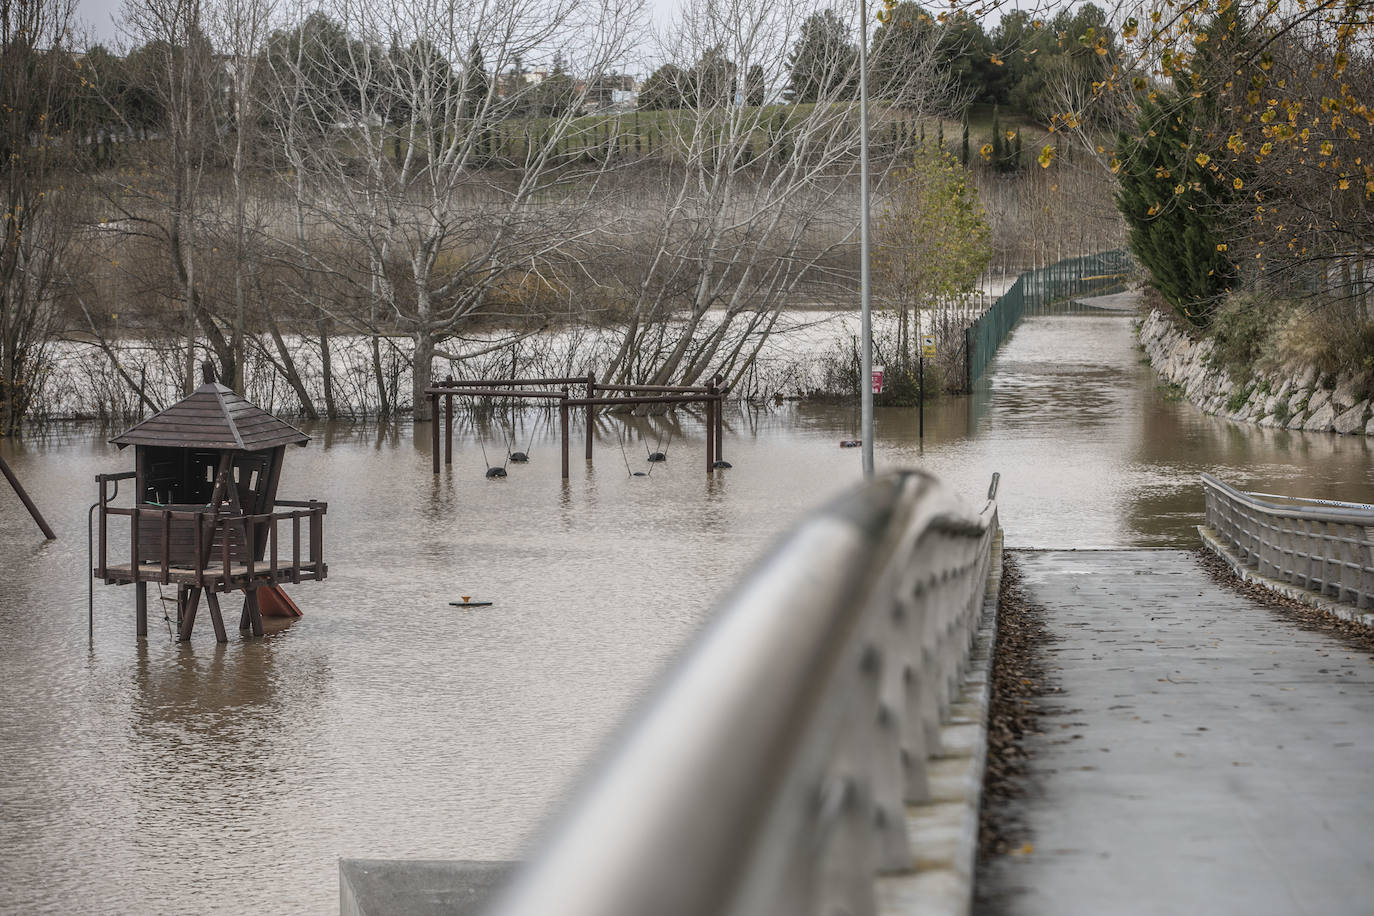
(1093, 274)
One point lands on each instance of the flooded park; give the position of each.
(170, 777)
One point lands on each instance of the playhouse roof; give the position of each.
(213, 417)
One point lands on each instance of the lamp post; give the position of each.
(865, 298)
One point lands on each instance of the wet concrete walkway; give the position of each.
(1204, 756)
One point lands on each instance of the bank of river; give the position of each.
(188, 778)
(1283, 397)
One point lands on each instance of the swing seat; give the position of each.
(657, 456)
(493, 473)
(519, 457)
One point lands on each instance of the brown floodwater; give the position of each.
(187, 778)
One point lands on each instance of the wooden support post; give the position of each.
(135, 561)
(448, 427)
(710, 436)
(212, 602)
(591, 412)
(720, 417)
(254, 611)
(141, 610)
(563, 427)
(28, 503)
(245, 618)
(188, 616)
(434, 430)
(102, 536)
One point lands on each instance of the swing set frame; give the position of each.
(596, 396)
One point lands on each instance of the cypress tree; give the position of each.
(1176, 210)
(996, 138)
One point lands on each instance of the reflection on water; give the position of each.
(184, 778)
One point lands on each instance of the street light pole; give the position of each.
(865, 298)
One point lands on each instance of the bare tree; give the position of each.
(410, 168)
(35, 65)
(175, 64)
(239, 30)
(760, 200)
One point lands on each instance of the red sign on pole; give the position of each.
(878, 379)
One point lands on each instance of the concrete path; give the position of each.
(1129, 301)
(1203, 757)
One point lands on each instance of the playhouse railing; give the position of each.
(224, 548)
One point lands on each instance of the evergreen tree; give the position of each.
(755, 86)
(665, 89)
(478, 82)
(996, 138)
(1174, 207)
(823, 62)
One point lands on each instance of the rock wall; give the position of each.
(1290, 398)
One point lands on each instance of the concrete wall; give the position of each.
(1291, 398)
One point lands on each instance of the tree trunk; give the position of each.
(384, 401)
(331, 409)
(288, 370)
(421, 374)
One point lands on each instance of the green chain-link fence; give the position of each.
(1093, 274)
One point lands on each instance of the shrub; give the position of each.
(1236, 401)
(1242, 328)
(1333, 339)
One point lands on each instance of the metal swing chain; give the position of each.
(654, 464)
(624, 454)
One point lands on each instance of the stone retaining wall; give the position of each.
(1290, 398)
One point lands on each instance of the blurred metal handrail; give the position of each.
(1322, 546)
(769, 771)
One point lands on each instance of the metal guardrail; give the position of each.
(1325, 548)
(770, 771)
